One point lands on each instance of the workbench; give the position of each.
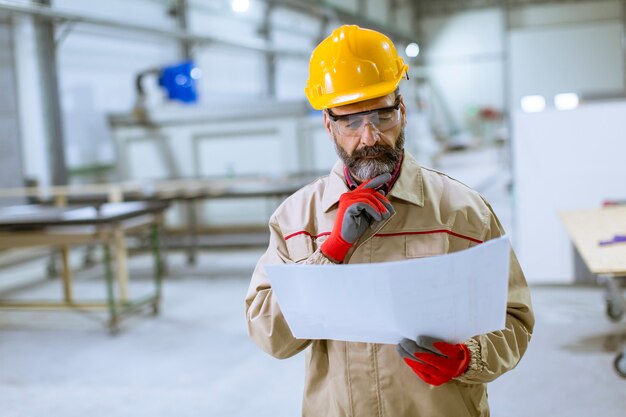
(587, 228)
(29, 226)
(188, 191)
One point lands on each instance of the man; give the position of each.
(379, 205)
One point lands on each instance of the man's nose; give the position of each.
(369, 135)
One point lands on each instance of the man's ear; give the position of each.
(403, 111)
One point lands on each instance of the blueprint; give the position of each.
(451, 297)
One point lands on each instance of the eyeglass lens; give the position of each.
(381, 120)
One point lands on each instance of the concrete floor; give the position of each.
(195, 358)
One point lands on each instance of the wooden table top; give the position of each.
(588, 227)
(34, 216)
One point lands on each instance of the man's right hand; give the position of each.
(358, 209)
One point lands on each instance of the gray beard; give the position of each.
(365, 169)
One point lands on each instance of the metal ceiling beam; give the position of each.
(58, 15)
(323, 10)
(430, 8)
(270, 59)
(179, 11)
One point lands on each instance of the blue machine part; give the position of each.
(180, 81)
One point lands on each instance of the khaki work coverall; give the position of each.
(434, 214)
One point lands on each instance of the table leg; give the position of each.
(192, 232)
(158, 266)
(51, 267)
(121, 258)
(67, 275)
(615, 302)
(113, 316)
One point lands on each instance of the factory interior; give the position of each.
(145, 145)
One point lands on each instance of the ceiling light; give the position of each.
(412, 50)
(240, 6)
(196, 73)
(566, 101)
(533, 104)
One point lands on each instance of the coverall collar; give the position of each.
(408, 186)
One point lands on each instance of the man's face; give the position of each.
(369, 144)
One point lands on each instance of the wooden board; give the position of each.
(587, 228)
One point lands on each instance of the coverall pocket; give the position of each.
(300, 247)
(427, 244)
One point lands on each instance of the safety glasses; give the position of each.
(353, 124)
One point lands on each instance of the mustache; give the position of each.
(371, 151)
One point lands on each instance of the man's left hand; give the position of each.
(433, 360)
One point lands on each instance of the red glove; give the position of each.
(358, 209)
(433, 360)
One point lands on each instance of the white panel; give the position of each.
(226, 23)
(377, 10)
(325, 154)
(463, 34)
(349, 5)
(563, 161)
(578, 59)
(246, 155)
(465, 87)
(294, 42)
(283, 19)
(30, 111)
(106, 65)
(291, 76)
(143, 12)
(405, 20)
(232, 73)
(232, 211)
(148, 162)
(96, 76)
(464, 64)
(550, 14)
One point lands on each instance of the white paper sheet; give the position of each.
(451, 297)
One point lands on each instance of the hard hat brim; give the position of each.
(348, 97)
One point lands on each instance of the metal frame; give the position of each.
(446, 7)
(11, 168)
(325, 12)
(164, 150)
(179, 10)
(615, 309)
(624, 35)
(270, 58)
(49, 83)
(119, 306)
(318, 8)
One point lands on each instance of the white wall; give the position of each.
(580, 59)
(464, 63)
(564, 160)
(553, 48)
(565, 13)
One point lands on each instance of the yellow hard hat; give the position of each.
(353, 64)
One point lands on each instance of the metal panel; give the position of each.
(447, 7)
(46, 54)
(10, 157)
